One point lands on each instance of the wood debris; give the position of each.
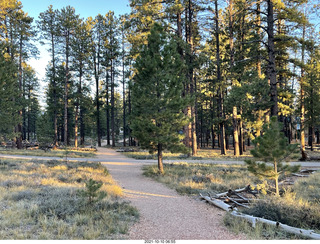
(230, 200)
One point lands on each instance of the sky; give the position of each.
(85, 8)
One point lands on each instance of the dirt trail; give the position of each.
(164, 213)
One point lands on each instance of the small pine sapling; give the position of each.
(92, 193)
(270, 150)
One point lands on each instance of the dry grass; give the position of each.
(213, 154)
(70, 152)
(41, 200)
(193, 179)
(299, 205)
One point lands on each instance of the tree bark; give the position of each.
(96, 61)
(112, 106)
(123, 92)
(302, 96)
(160, 163)
(54, 87)
(108, 109)
(76, 117)
(271, 62)
(219, 80)
(66, 90)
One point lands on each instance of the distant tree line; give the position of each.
(242, 62)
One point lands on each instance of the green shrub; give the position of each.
(92, 194)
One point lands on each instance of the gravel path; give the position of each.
(163, 213)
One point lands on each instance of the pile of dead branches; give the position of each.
(241, 197)
(232, 199)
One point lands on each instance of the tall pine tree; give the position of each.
(157, 98)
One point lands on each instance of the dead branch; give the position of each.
(254, 220)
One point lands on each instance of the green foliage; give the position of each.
(157, 94)
(92, 193)
(272, 148)
(8, 93)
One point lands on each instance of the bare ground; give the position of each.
(164, 214)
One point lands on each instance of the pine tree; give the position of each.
(8, 93)
(157, 95)
(67, 22)
(80, 44)
(47, 25)
(272, 148)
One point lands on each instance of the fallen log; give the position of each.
(299, 175)
(236, 191)
(218, 203)
(308, 171)
(239, 200)
(237, 203)
(254, 220)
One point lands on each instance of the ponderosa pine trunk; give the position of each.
(112, 106)
(219, 81)
(107, 109)
(160, 163)
(271, 59)
(302, 97)
(234, 109)
(66, 90)
(96, 61)
(76, 116)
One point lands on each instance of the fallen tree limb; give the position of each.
(218, 203)
(299, 175)
(308, 171)
(254, 220)
(236, 191)
(237, 203)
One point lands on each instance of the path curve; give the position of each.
(164, 214)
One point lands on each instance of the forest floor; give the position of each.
(164, 214)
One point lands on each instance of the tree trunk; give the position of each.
(311, 137)
(219, 80)
(108, 109)
(241, 141)
(160, 163)
(276, 178)
(123, 92)
(302, 108)
(66, 91)
(235, 132)
(76, 116)
(271, 62)
(54, 87)
(82, 127)
(112, 106)
(20, 112)
(96, 61)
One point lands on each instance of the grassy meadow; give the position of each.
(214, 154)
(69, 152)
(298, 206)
(46, 200)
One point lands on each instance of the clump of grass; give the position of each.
(260, 232)
(294, 212)
(299, 206)
(192, 179)
(41, 200)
